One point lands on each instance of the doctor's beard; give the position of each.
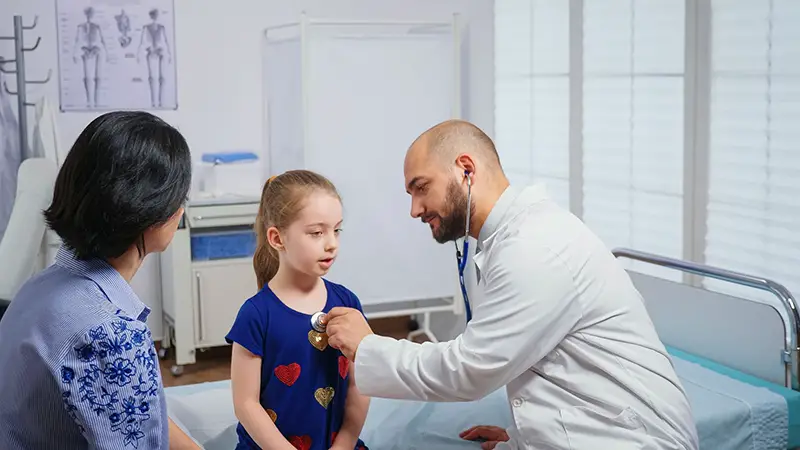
(453, 225)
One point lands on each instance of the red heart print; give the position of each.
(344, 364)
(300, 442)
(288, 374)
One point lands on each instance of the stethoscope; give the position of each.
(461, 257)
(461, 260)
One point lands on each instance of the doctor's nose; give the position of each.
(416, 209)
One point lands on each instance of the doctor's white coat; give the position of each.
(562, 327)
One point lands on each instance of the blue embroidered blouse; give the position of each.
(79, 366)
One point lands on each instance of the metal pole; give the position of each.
(21, 97)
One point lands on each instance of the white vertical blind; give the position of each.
(753, 223)
(532, 92)
(633, 124)
(633, 58)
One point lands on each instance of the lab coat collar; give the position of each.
(510, 201)
(117, 290)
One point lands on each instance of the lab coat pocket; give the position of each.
(586, 428)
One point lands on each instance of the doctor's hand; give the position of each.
(490, 435)
(346, 328)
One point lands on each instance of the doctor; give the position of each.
(560, 325)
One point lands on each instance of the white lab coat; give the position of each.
(10, 156)
(46, 141)
(562, 327)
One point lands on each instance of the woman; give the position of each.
(79, 365)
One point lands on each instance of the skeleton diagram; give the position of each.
(155, 35)
(124, 26)
(88, 40)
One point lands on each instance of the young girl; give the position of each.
(290, 389)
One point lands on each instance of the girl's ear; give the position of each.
(274, 238)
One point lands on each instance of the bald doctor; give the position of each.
(560, 324)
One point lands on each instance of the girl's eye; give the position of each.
(338, 230)
(316, 233)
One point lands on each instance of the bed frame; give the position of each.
(755, 337)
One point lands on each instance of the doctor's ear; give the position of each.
(466, 165)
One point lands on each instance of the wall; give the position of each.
(218, 57)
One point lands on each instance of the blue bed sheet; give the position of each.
(731, 411)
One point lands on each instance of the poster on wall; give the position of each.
(116, 54)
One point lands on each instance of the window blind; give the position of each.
(754, 159)
(633, 76)
(532, 93)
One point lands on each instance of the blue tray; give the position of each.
(223, 245)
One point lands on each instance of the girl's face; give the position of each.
(310, 244)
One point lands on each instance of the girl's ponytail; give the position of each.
(265, 259)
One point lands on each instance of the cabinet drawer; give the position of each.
(220, 288)
(211, 216)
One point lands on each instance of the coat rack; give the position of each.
(19, 70)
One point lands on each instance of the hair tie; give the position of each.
(271, 178)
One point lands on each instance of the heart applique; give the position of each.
(288, 374)
(300, 442)
(272, 415)
(344, 364)
(324, 396)
(318, 340)
(333, 437)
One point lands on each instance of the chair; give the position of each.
(23, 240)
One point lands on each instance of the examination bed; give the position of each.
(736, 358)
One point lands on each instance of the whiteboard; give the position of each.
(368, 96)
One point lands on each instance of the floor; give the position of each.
(214, 364)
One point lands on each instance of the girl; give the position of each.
(290, 389)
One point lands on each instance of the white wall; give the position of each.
(218, 57)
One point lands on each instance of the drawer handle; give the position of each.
(200, 306)
(227, 216)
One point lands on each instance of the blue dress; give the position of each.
(303, 380)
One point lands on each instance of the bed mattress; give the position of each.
(732, 410)
(790, 397)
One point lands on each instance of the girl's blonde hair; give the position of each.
(282, 198)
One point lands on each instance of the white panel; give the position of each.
(532, 93)
(690, 319)
(284, 108)
(402, 84)
(754, 177)
(633, 116)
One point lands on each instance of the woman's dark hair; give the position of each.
(126, 172)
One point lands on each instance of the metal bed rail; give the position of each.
(791, 318)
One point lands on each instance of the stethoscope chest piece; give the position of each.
(316, 322)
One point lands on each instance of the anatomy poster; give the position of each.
(116, 54)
